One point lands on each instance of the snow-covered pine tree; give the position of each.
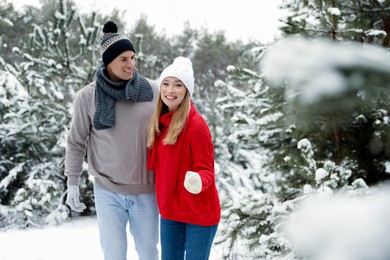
(13, 105)
(341, 102)
(14, 25)
(332, 87)
(295, 162)
(247, 188)
(362, 21)
(61, 58)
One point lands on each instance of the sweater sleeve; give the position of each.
(202, 152)
(77, 140)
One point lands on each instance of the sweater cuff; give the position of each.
(72, 180)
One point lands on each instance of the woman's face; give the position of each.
(122, 67)
(172, 92)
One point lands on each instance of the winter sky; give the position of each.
(247, 19)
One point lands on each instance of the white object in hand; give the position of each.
(193, 182)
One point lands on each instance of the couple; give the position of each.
(151, 154)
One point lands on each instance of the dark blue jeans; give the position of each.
(179, 239)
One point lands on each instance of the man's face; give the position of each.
(122, 67)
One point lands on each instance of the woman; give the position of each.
(181, 153)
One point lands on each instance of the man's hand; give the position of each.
(73, 199)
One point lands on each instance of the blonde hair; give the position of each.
(178, 121)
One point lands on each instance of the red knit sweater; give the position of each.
(193, 151)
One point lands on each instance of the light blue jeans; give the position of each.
(114, 211)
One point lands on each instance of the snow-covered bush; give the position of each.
(314, 122)
(36, 98)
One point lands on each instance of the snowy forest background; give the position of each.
(301, 126)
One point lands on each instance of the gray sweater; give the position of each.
(116, 156)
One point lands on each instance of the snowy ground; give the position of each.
(76, 239)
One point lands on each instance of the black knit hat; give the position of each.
(113, 43)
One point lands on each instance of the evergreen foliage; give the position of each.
(362, 21)
(59, 58)
(300, 108)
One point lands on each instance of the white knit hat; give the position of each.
(181, 68)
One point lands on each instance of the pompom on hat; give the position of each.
(181, 68)
(113, 43)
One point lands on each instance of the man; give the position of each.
(109, 126)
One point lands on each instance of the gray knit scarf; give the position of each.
(137, 89)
